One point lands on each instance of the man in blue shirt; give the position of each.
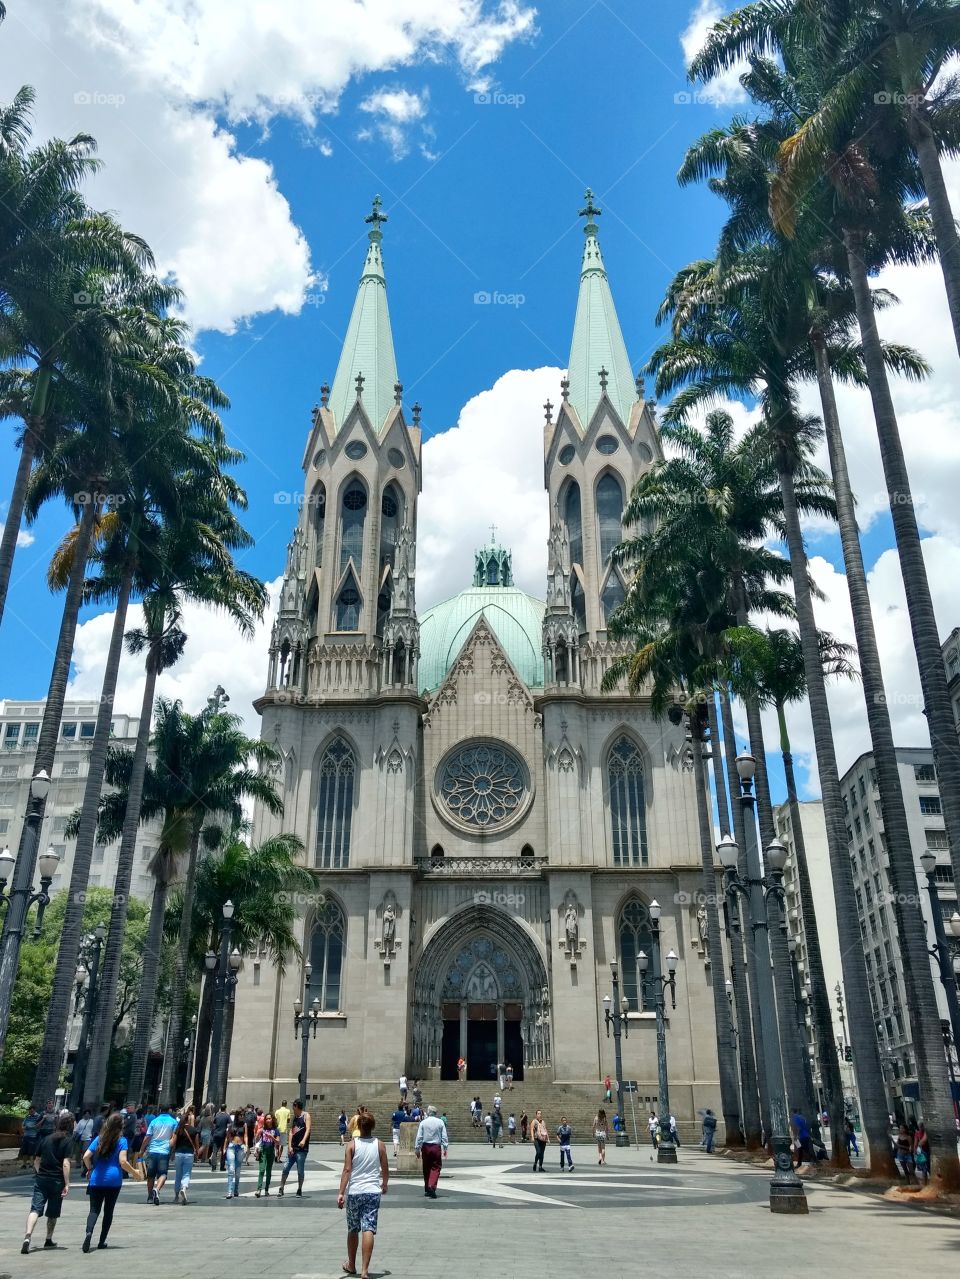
(801, 1130)
(160, 1133)
(398, 1117)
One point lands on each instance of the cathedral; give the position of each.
(488, 824)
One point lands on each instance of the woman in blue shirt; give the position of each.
(106, 1161)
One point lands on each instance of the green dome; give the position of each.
(515, 618)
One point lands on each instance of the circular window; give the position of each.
(607, 444)
(319, 457)
(389, 505)
(566, 454)
(482, 786)
(355, 499)
(396, 458)
(646, 452)
(355, 450)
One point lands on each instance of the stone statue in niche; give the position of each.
(570, 912)
(388, 912)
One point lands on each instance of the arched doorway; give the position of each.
(481, 992)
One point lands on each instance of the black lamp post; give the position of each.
(618, 1020)
(787, 1193)
(661, 982)
(87, 978)
(945, 950)
(306, 1017)
(812, 1101)
(222, 968)
(229, 999)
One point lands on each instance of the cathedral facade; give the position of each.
(488, 825)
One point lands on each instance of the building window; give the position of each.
(483, 785)
(930, 805)
(348, 605)
(627, 809)
(609, 512)
(634, 935)
(4, 825)
(351, 525)
(87, 730)
(613, 594)
(863, 787)
(318, 517)
(936, 839)
(943, 875)
(925, 773)
(68, 730)
(578, 603)
(391, 518)
(335, 805)
(326, 956)
(30, 733)
(573, 518)
(11, 737)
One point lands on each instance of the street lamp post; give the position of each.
(229, 999)
(946, 951)
(812, 1101)
(661, 983)
(222, 968)
(618, 1020)
(841, 1013)
(306, 1018)
(87, 979)
(786, 1189)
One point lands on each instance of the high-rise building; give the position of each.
(19, 730)
(488, 826)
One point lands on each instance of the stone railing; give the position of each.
(477, 867)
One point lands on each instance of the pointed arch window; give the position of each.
(338, 769)
(352, 518)
(391, 519)
(326, 956)
(318, 518)
(573, 518)
(493, 572)
(633, 936)
(613, 595)
(627, 807)
(383, 604)
(609, 514)
(348, 605)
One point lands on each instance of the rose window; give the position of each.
(482, 785)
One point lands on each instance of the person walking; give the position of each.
(363, 1183)
(496, 1128)
(430, 1148)
(417, 1093)
(268, 1152)
(396, 1119)
(488, 1125)
(235, 1155)
(221, 1126)
(29, 1136)
(402, 1085)
(51, 1183)
(653, 1127)
(709, 1130)
(801, 1134)
(512, 1128)
(206, 1130)
(540, 1138)
(82, 1136)
(565, 1136)
(157, 1140)
(509, 1076)
(674, 1135)
(601, 1131)
(282, 1116)
(607, 1089)
(106, 1161)
(461, 1069)
(524, 1127)
(921, 1154)
(850, 1138)
(342, 1127)
(299, 1145)
(186, 1147)
(250, 1125)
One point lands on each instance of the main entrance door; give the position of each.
(481, 1042)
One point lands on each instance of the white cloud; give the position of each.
(162, 83)
(395, 112)
(488, 469)
(725, 89)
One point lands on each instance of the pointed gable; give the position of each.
(368, 347)
(597, 340)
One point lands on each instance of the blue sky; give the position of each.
(481, 166)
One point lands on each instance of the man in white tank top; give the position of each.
(362, 1183)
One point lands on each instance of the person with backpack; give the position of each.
(363, 1183)
(51, 1183)
(267, 1152)
(106, 1162)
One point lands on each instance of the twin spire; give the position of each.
(598, 365)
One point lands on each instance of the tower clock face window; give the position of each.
(483, 786)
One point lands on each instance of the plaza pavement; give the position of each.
(495, 1219)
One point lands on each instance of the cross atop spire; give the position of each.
(590, 212)
(376, 217)
(493, 534)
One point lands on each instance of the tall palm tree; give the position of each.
(49, 242)
(744, 160)
(261, 882)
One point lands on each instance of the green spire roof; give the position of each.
(597, 341)
(368, 347)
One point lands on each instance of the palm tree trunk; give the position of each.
(204, 1033)
(726, 1061)
(748, 1007)
(18, 496)
(147, 1002)
(48, 1070)
(749, 1101)
(102, 1031)
(928, 157)
(918, 983)
(923, 623)
(26, 865)
(873, 1105)
(179, 991)
(827, 1059)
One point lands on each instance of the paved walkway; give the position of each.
(495, 1219)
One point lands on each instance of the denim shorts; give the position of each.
(47, 1195)
(362, 1213)
(158, 1165)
